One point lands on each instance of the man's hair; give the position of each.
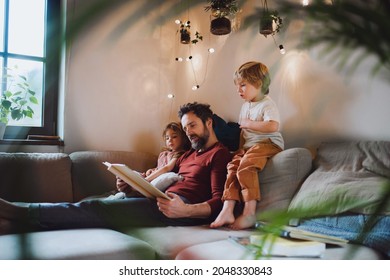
(255, 73)
(202, 111)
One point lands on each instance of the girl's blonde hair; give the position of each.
(255, 73)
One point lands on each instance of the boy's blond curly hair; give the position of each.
(255, 73)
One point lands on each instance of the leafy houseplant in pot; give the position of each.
(185, 33)
(15, 99)
(267, 21)
(220, 9)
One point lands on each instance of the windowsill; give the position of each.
(31, 142)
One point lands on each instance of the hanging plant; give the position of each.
(220, 9)
(270, 21)
(185, 33)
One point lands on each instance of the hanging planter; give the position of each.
(270, 22)
(220, 26)
(185, 36)
(185, 33)
(220, 10)
(266, 25)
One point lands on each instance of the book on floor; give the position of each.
(135, 180)
(263, 245)
(280, 246)
(296, 233)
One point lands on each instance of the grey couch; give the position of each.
(58, 177)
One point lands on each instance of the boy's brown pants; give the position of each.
(242, 183)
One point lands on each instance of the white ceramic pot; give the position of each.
(2, 130)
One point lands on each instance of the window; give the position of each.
(30, 46)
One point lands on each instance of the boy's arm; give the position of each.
(260, 126)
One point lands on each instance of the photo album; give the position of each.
(135, 180)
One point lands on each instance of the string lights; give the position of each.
(189, 58)
(281, 49)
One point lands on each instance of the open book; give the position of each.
(292, 232)
(135, 180)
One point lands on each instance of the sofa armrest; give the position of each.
(281, 177)
(90, 177)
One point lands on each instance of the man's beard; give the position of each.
(201, 140)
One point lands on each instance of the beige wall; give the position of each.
(116, 86)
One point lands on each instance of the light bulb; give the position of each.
(211, 50)
(170, 95)
(282, 50)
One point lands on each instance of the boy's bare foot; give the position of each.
(226, 216)
(244, 222)
(248, 217)
(223, 218)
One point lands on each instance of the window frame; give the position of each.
(51, 70)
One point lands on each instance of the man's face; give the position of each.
(196, 131)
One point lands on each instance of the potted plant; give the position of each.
(267, 21)
(185, 33)
(15, 99)
(220, 9)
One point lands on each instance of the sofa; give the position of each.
(60, 177)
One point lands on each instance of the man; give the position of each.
(195, 200)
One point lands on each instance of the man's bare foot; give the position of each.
(244, 222)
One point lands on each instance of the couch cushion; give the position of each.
(377, 157)
(342, 182)
(169, 241)
(74, 245)
(281, 178)
(35, 177)
(90, 177)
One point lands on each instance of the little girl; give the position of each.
(176, 143)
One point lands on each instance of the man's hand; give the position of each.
(174, 208)
(122, 186)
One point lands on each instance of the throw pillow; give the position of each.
(340, 183)
(163, 181)
(227, 133)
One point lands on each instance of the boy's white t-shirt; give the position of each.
(265, 110)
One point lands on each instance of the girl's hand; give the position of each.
(148, 172)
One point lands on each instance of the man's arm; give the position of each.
(176, 208)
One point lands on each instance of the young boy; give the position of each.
(260, 140)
